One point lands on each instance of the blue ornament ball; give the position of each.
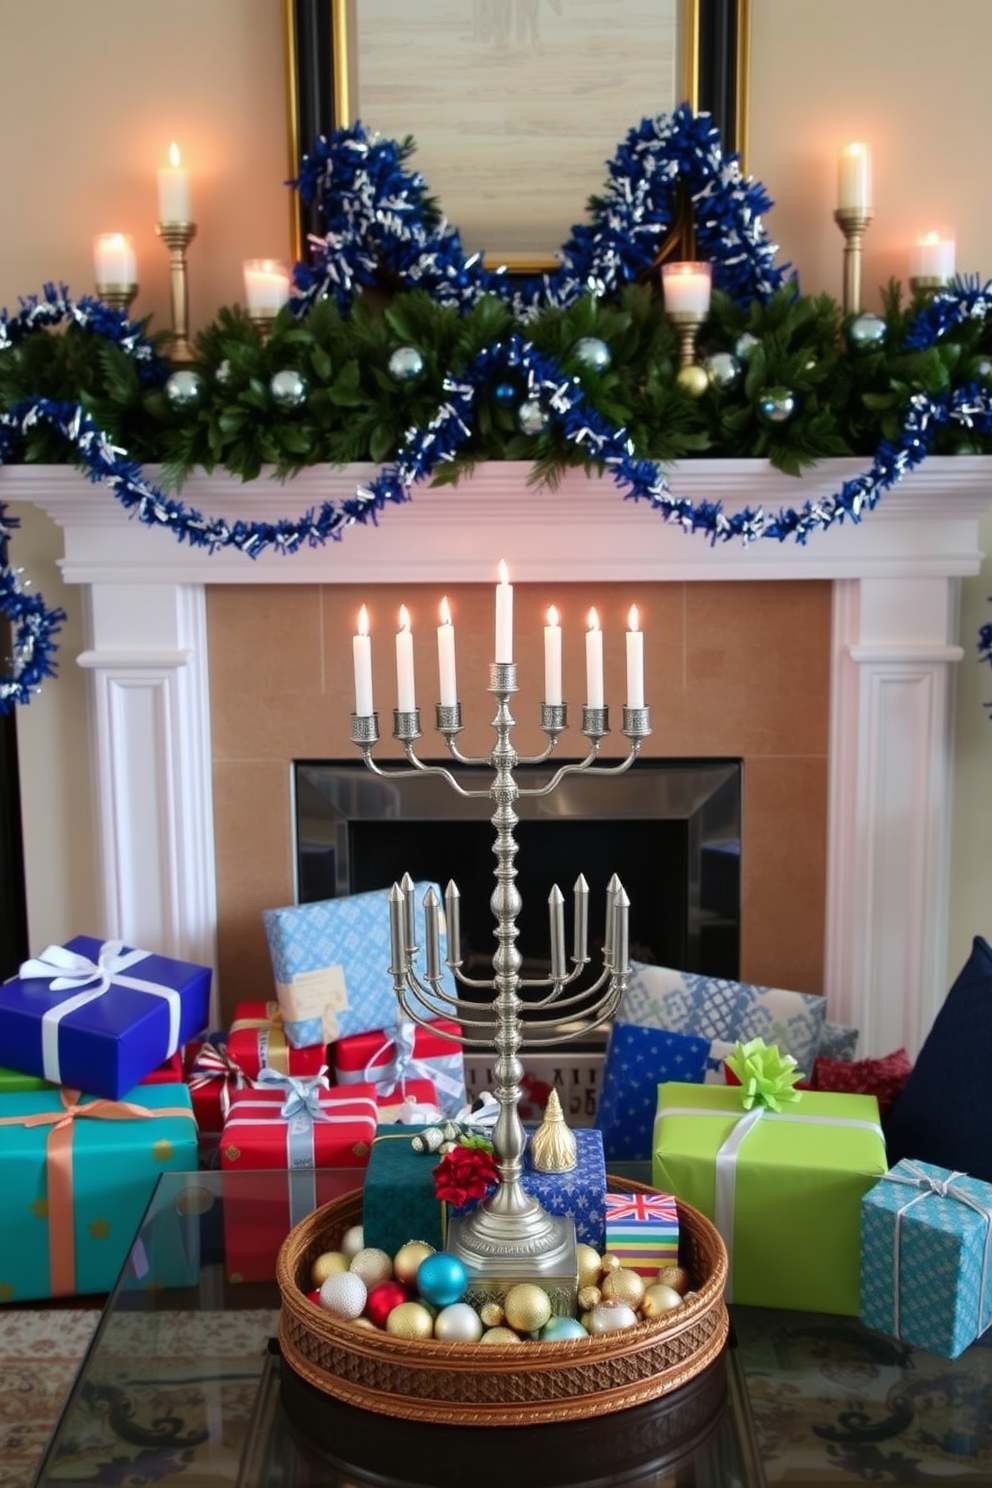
(406, 364)
(442, 1279)
(776, 405)
(531, 417)
(557, 1328)
(593, 353)
(183, 389)
(722, 369)
(505, 394)
(288, 388)
(866, 331)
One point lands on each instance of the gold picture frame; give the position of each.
(701, 51)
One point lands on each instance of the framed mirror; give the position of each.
(515, 106)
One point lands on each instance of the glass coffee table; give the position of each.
(183, 1385)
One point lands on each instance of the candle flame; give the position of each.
(445, 611)
(363, 621)
(174, 155)
(404, 618)
(504, 572)
(633, 619)
(593, 619)
(552, 614)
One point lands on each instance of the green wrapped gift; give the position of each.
(12, 1081)
(398, 1199)
(783, 1187)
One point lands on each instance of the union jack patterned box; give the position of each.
(643, 1230)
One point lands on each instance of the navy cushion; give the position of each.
(944, 1114)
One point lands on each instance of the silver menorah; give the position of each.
(510, 1236)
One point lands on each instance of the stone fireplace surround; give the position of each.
(155, 615)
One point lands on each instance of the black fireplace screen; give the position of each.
(670, 829)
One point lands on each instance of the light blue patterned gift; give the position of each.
(579, 1194)
(926, 1257)
(331, 965)
(637, 1061)
(714, 1008)
(838, 1041)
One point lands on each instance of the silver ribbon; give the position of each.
(913, 1176)
(70, 971)
(445, 1071)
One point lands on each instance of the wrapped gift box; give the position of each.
(331, 965)
(926, 1257)
(392, 1057)
(579, 1194)
(643, 1230)
(793, 1190)
(257, 1040)
(98, 1016)
(300, 1128)
(61, 1239)
(413, 1103)
(11, 1081)
(637, 1061)
(168, 1073)
(212, 1077)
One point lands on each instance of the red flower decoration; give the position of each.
(463, 1174)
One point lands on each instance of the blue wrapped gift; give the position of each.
(579, 1194)
(99, 1016)
(637, 1061)
(926, 1257)
(331, 965)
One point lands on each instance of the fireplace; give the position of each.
(177, 806)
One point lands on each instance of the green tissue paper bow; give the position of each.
(767, 1075)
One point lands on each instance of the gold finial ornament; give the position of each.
(553, 1146)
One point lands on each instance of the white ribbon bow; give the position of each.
(913, 1176)
(403, 1066)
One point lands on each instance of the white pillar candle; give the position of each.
(361, 648)
(173, 190)
(552, 658)
(687, 286)
(266, 285)
(854, 178)
(933, 256)
(405, 693)
(446, 657)
(594, 663)
(635, 661)
(504, 616)
(114, 260)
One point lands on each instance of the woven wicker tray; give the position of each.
(498, 1384)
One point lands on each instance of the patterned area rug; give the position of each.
(39, 1355)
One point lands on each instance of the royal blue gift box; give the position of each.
(105, 1016)
(926, 1257)
(579, 1194)
(637, 1061)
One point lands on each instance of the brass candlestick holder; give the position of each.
(927, 284)
(263, 321)
(177, 237)
(510, 1237)
(686, 323)
(852, 222)
(117, 296)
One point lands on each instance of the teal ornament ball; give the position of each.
(776, 405)
(744, 345)
(558, 1328)
(531, 417)
(442, 1279)
(505, 394)
(866, 332)
(183, 389)
(288, 388)
(593, 353)
(722, 369)
(406, 364)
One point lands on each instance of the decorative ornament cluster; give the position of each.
(575, 367)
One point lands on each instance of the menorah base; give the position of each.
(499, 1253)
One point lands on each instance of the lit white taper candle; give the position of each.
(635, 661)
(504, 615)
(854, 178)
(552, 658)
(173, 190)
(361, 647)
(114, 259)
(406, 699)
(446, 657)
(594, 662)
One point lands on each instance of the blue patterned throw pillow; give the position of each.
(838, 1041)
(637, 1061)
(715, 1008)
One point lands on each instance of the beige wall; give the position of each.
(93, 93)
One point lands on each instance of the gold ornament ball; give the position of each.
(589, 1296)
(492, 1314)
(353, 1240)
(366, 1323)
(326, 1265)
(410, 1320)
(527, 1307)
(408, 1258)
(372, 1265)
(500, 1335)
(624, 1285)
(693, 381)
(610, 1262)
(589, 1264)
(674, 1276)
(660, 1298)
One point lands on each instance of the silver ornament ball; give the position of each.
(223, 372)
(722, 369)
(288, 388)
(744, 345)
(866, 331)
(531, 417)
(593, 353)
(406, 364)
(776, 405)
(184, 388)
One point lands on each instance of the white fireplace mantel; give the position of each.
(894, 647)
